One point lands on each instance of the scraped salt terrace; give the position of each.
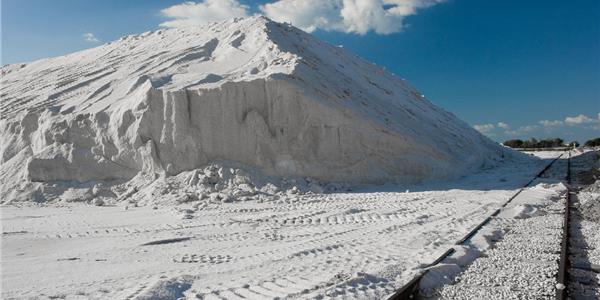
(241, 159)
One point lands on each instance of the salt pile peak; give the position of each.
(250, 91)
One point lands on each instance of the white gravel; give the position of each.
(522, 264)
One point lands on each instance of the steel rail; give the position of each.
(563, 264)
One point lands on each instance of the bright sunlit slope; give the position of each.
(251, 91)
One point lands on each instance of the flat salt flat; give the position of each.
(360, 244)
(544, 154)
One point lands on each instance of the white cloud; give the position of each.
(543, 128)
(548, 123)
(308, 14)
(571, 121)
(198, 13)
(484, 128)
(361, 16)
(488, 128)
(89, 37)
(350, 16)
(502, 125)
(580, 119)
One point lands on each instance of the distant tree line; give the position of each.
(534, 143)
(548, 143)
(593, 142)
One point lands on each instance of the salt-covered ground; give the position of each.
(360, 244)
(544, 154)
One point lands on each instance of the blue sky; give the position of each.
(514, 68)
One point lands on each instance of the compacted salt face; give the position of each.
(250, 91)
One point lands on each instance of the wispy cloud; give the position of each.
(580, 119)
(198, 13)
(484, 128)
(488, 128)
(566, 126)
(350, 16)
(502, 125)
(90, 38)
(548, 123)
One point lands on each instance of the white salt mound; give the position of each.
(249, 91)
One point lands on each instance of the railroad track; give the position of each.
(565, 264)
(411, 289)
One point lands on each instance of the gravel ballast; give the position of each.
(522, 262)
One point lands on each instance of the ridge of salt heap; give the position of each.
(251, 91)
